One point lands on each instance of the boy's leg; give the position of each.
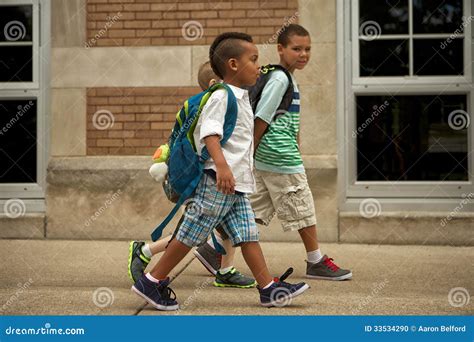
(140, 254)
(228, 258)
(256, 262)
(172, 257)
(291, 196)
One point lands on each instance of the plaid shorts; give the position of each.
(210, 208)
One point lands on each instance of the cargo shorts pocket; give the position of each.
(295, 203)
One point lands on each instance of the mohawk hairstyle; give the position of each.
(227, 45)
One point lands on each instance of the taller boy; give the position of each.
(282, 186)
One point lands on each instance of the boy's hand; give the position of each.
(225, 180)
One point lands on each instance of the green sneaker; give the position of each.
(234, 278)
(137, 262)
(326, 269)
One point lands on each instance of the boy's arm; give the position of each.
(225, 178)
(271, 97)
(259, 129)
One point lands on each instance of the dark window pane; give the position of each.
(412, 138)
(16, 23)
(18, 141)
(16, 64)
(438, 57)
(384, 58)
(390, 15)
(437, 16)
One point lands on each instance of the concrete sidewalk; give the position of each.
(53, 277)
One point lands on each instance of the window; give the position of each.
(408, 122)
(23, 98)
(407, 41)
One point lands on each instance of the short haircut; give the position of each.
(291, 30)
(205, 75)
(226, 46)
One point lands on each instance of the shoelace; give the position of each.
(285, 275)
(332, 266)
(166, 292)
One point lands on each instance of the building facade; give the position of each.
(89, 89)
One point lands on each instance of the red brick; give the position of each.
(109, 42)
(246, 4)
(136, 109)
(164, 7)
(149, 15)
(116, 91)
(98, 100)
(137, 142)
(121, 134)
(97, 134)
(149, 117)
(136, 125)
(149, 33)
(139, 100)
(165, 24)
(162, 125)
(178, 15)
(137, 24)
(139, 41)
(149, 134)
(136, 8)
(191, 6)
(109, 142)
(124, 117)
(165, 108)
(232, 14)
(126, 100)
(121, 33)
(164, 41)
(218, 23)
(108, 8)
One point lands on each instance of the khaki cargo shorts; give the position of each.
(286, 195)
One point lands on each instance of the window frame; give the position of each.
(39, 90)
(399, 195)
(35, 44)
(411, 79)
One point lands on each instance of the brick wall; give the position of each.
(161, 22)
(132, 121)
(143, 117)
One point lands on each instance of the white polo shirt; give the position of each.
(238, 150)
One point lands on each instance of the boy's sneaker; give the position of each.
(137, 262)
(156, 294)
(234, 278)
(326, 269)
(281, 293)
(209, 258)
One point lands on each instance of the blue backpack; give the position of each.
(185, 166)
